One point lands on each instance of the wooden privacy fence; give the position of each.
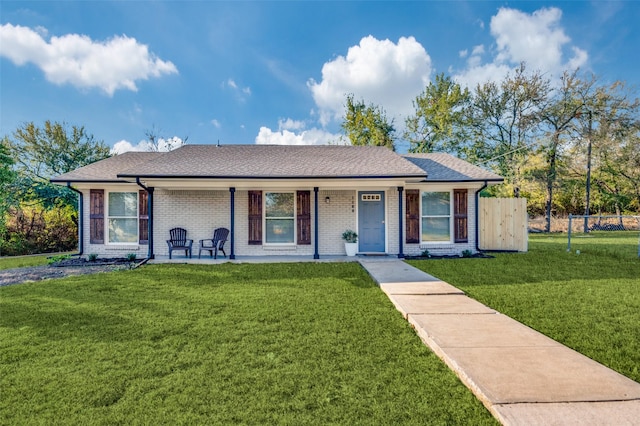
(503, 224)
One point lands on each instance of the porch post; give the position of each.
(316, 255)
(400, 250)
(232, 192)
(151, 254)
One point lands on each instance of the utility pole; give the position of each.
(586, 206)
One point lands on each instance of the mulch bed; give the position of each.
(63, 268)
(454, 256)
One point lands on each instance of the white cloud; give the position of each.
(290, 124)
(117, 63)
(381, 72)
(537, 39)
(478, 50)
(314, 136)
(125, 146)
(241, 92)
(216, 123)
(478, 73)
(164, 145)
(387, 74)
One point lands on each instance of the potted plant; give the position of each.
(350, 242)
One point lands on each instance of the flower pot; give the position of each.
(351, 248)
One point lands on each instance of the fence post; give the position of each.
(569, 234)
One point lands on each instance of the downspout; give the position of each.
(80, 221)
(478, 214)
(232, 207)
(316, 254)
(150, 254)
(400, 249)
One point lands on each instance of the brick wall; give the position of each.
(200, 212)
(448, 248)
(109, 250)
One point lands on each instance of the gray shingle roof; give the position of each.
(447, 168)
(276, 161)
(107, 170)
(279, 161)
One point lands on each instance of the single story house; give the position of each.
(279, 200)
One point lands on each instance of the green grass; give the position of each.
(588, 301)
(220, 344)
(23, 261)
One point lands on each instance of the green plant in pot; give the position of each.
(350, 242)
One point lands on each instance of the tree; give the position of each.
(440, 121)
(505, 122)
(367, 125)
(7, 176)
(604, 128)
(564, 106)
(157, 143)
(44, 152)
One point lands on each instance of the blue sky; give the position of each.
(278, 72)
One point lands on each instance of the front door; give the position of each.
(371, 228)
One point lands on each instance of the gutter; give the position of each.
(80, 221)
(258, 177)
(478, 213)
(150, 224)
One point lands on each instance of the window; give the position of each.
(123, 217)
(436, 217)
(279, 213)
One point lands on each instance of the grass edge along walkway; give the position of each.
(308, 343)
(589, 301)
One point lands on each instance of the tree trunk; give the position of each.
(551, 178)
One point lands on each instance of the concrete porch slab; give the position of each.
(206, 260)
(410, 304)
(394, 271)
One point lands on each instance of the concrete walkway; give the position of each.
(520, 375)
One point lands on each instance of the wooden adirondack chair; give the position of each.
(214, 244)
(178, 241)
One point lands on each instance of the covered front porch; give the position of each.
(319, 216)
(206, 260)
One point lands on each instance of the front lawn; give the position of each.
(10, 262)
(588, 301)
(309, 343)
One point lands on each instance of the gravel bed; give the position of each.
(65, 268)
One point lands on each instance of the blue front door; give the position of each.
(371, 221)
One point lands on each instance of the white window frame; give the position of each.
(450, 216)
(264, 218)
(108, 218)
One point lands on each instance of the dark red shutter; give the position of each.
(304, 217)
(412, 216)
(255, 217)
(96, 216)
(143, 218)
(460, 222)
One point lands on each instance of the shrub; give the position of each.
(33, 229)
(58, 258)
(93, 257)
(467, 253)
(131, 257)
